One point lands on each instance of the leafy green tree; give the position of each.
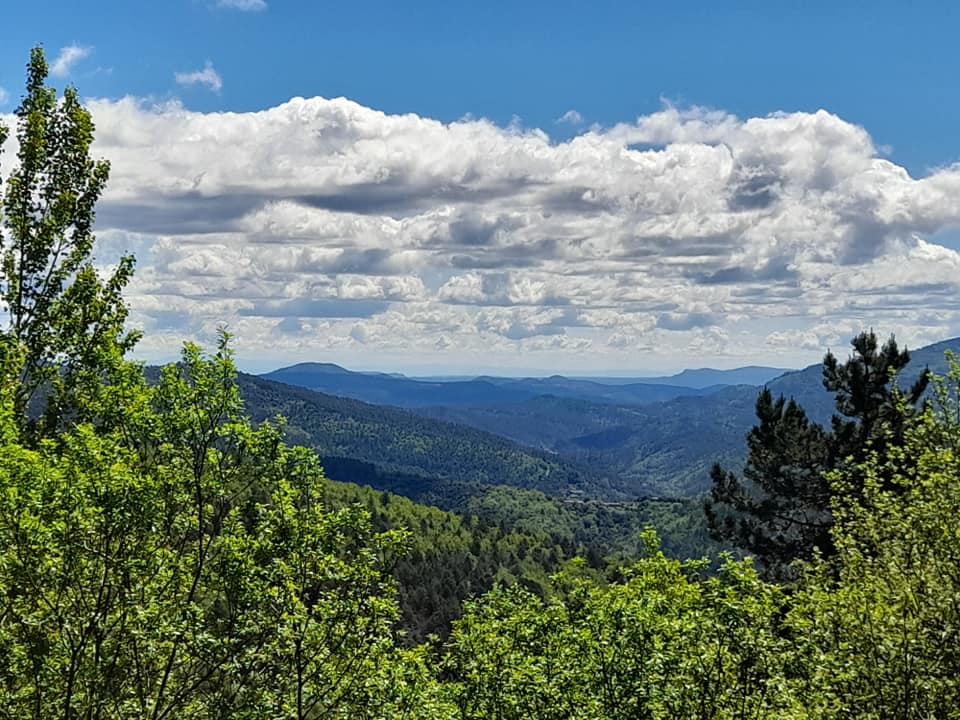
(64, 335)
(879, 626)
(662, 643)
(780, 510)
(513, 655)
(193, 573)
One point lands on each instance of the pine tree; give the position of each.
(871, 409)
(779, 510)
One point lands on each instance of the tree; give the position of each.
(660, 643)
(878, 628)
(192, 574)
(780, 509)
(872, 415)
(64, 336)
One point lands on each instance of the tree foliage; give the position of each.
(64, 336)
(873, 411)
(662, 643)
(780, 509)
(871, 632)
(192, 573)
(879, 626)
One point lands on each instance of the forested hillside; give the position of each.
(404, 442)
(503, 536)
(664, 448)
(510, 498)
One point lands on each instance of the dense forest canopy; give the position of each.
(162, 556)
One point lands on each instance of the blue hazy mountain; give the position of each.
(644, 438)
(699, 378)
(707, 377)
(485, 391)
(664, 448)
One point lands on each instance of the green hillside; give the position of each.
(403, 442)
(663, 448)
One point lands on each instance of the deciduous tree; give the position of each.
(63, 337)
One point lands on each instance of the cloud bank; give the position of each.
(322, 229)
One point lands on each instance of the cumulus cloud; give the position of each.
(67, 58)
(323, 228)
(207, 76)
(4, 96)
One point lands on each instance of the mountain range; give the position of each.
(485, 391)
(573, 437)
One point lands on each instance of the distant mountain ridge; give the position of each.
(696, 378)
(665, 448)
(637, 439)
(706, 377)
(401, 391)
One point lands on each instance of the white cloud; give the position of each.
(245, 5)
(67, 58)
(4, 96)
(570, 117)
(208, 76)
(318, 225)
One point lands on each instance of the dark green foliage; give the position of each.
(871, 414)
(780, 509)
(503, 535)
(449, 558)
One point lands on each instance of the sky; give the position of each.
(519, 188)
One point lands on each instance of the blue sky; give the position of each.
(545, 92)
(889, 66)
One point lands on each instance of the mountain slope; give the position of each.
(401, 441)
(665, 448)
(705, 377)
